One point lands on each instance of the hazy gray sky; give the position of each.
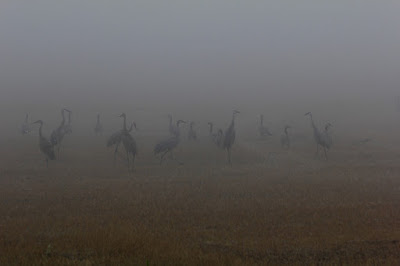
(144, 52)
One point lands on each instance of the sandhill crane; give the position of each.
(229, 136)
(322, 139)
(262, 130)
(215, 137)
(192, 133)
(58, 134)
(173, 129)
(98, 129)
(210, 130)
(116, 137)
(68, 127)
(45, 146)
(25, 128)
(285, 140)
(169, 144)
(128, 141)
(219, 139)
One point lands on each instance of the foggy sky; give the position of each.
(236, 54)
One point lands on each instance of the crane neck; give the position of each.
(26, 119)
(211, 128)
(261, 120)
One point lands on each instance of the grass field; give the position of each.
(292, 210)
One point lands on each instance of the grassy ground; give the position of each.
(291, 210)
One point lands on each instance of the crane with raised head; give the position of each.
(44, 145)
(229, 136)
(192, 133)
(98, 129)
(321, 138)
(116, 137)
(285, 140)
(25, 127)
(58, 134)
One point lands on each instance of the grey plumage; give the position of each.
(168, 145)
(173, 129)
(128, 141)
(192, 133)
(98, 129)
(262, 130)
(285, 140)
(44, 145)
(25, 128)
(322, 139)
(229, 136)
(58, 134)
(219, 140)
(117, 137)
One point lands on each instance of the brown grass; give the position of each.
(83, 211)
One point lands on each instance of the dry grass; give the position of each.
(83, 211)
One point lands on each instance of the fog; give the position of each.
(199, 60)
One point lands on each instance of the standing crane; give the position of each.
(129, 142)
(25, 128)
(229, 136)
(210, 128)
(44, 145)
(192, 133)
(285, 140)
(98, 129)
(58, 134)
(116, 137)
(321, 138)
(169, 144)
(262, 130)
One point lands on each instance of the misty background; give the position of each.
(199, 60)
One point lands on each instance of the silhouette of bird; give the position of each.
(192, 133)
(25, 128)
(129, 142)
(98, 129)
(44, 144)
(58, 134)
(285, 140)
(168, 145)
(262, 130)
(173, 129)
(229, 136)
(322, 139)
(116, 137)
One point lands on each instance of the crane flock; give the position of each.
(224, 140)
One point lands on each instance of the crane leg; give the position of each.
(115, 153)
(162, 156)
(229, 156)
(47, 163)
(316, 153)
